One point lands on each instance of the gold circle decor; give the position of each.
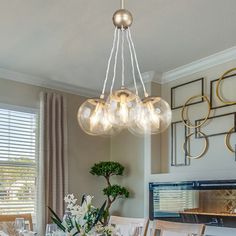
(218, 88)
(203, 151)
(227, 140)
(186, 122)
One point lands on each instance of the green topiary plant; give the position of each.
(107, 169)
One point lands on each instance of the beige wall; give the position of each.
(217, 163)
(83, 150)
(133, 152)
(155, 140)
(145, 158)
(148, 159)
(129, 151)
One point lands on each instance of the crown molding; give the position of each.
(148, 77)
(46, 83)
(63, 87)
(200, 65)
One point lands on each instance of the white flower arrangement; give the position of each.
(82, 220)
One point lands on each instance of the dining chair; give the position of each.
(10, 220)
(186, 229)
(172, 233)
(127, 222)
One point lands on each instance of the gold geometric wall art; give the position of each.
(219, 125)
(227, 140)
(185, 116)
(198, 124)
(181, 92)
(219, 92)
(179, 132)
(229, 79)
(186, 148)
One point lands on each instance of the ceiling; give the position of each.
(69, 40)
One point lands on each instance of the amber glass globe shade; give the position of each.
(154, 117)
(123, 108)
(92, 117)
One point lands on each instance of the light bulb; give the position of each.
(124, 111)
(154, 117)
(92, 117)
(109, 130)
(123, 107)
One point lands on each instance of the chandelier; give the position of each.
(123, 109)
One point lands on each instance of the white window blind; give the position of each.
(175, 200)
(17, 161)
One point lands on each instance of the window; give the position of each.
(176, 200)
(167, 202)
(18, 136)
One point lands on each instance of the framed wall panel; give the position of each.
(181, 93)
(218, 125)
(230, 85)
(178, 135)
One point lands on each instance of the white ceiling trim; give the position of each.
(64, 87)
(46, 83)
(200, 65)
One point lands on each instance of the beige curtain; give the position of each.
(53, 180)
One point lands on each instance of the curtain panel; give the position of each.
(53, 160)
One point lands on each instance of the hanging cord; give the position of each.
(109, 63)
(122, 58)
(115, 63)
(132, 63)
(137, 64)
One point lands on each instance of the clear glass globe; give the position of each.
(113, 131)
(154, 117)
(123, 108)
(93, 119)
